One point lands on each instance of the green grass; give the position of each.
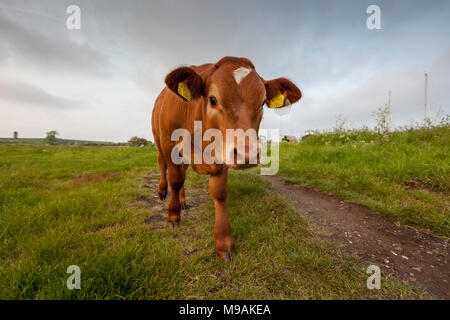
(405, 175)
(90, 207)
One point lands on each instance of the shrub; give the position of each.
(51, 137)
(138, 142)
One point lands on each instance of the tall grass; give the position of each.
(403, 174)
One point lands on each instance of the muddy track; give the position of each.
(414, 256)
(195, 198)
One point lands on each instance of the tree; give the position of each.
(138, 142)
(51, 137)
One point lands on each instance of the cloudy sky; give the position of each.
(100, 82)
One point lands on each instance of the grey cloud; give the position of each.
(358, 104)
(25, 93)
(46, 52)
(171, 33)
(323, 46)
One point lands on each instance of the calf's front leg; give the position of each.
(222, 228)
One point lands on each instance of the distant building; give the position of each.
(290, 139)
(16, 135)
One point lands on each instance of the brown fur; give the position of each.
(239, 106)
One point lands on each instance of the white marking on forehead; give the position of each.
(240, 73)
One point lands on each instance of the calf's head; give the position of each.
(233, 96)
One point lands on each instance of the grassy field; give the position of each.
(94, 207)
(405, 175)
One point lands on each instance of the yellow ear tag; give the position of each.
(184, 91)
(277, 101)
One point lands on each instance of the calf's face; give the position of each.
(233, 97)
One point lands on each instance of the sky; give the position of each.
(100, 82)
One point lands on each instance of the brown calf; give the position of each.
(226, 95)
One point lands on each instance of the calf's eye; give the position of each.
(213, 101)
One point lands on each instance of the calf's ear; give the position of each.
(281, 92)
(185, 82)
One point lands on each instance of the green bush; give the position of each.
(51, 137)
(138, 142)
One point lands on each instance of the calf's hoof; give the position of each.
(173, 225)
(225, 256)
(162, 196)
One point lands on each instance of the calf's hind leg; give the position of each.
(176, 181)
(162, 187)
(182, 199)
(182, 195)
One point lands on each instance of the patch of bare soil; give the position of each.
(158, 212)
(195, 197)
(414, 256)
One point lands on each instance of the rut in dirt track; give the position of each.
(411, 255)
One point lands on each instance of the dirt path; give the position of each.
(195, 197)
(412, 255)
